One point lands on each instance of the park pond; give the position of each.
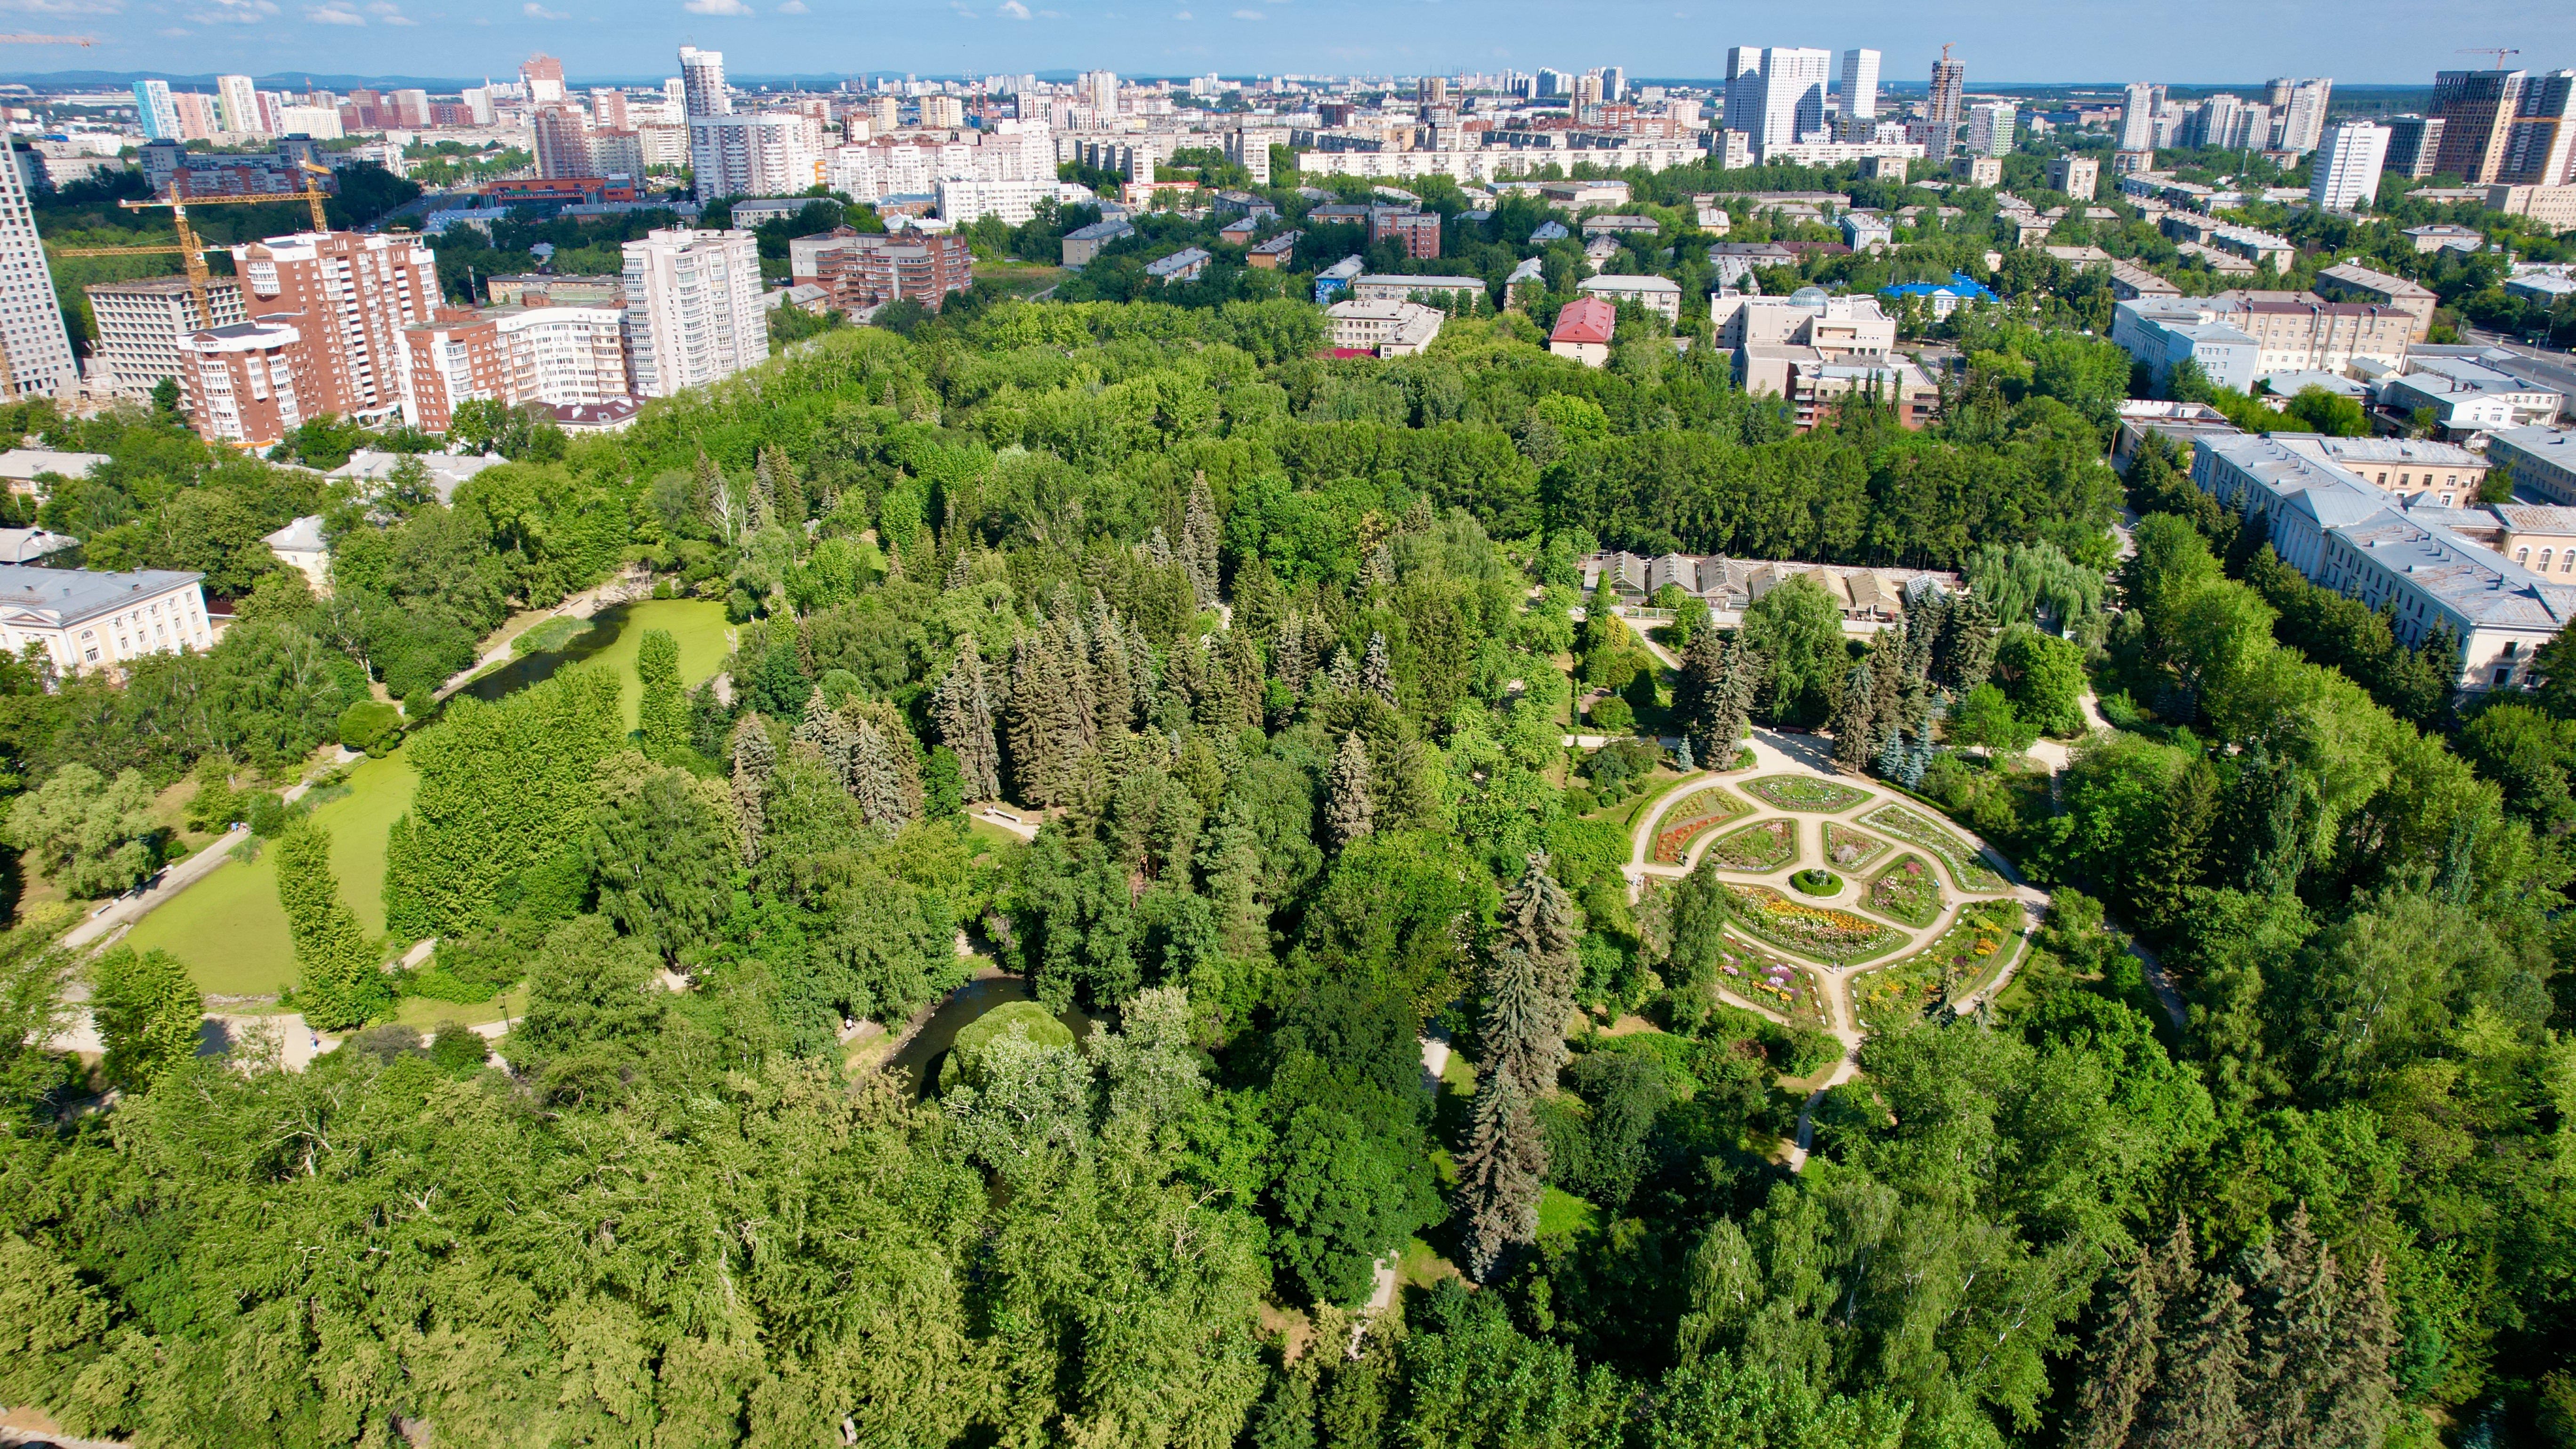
(917, 1060)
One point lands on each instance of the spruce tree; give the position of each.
(1031, 739)
(1968, 640)
(1113, 682)
(2357, 1396)
(764, 491)
(874, 780)
(828, 735)
(1344, 676)
(1376, 675)
(1506, 1156)
(337, 983)
(899, 780)
(2201, 1363)
(1697, 692)
(957, 575)
(963, 712)
(664, 713)
(1349, 813)
(1856, 728)
(1199, 540)
(1288, 652)
(2292, 1296)
(2121, 1361)
(1733, 716)
(787, 491)
(1142, 681)
(755, 759)
(1538, 919)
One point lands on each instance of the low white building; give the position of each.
(21, 467)
(300, 546)
(88, 621)
(1660, 295)
(1386, 328)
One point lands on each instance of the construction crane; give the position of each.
(2498, 51)
(192, 252)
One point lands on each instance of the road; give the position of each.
(127, 909)
(2558, 369)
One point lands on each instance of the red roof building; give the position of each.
(1583, 331)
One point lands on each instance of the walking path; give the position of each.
(126, 909)
(1806, 755)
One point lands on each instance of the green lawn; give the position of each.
(228, 927)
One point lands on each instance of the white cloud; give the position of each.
(535, 11)
(1013, 10)
(236, 12)
(63, 7)
(333, 15)
(1250, 15)
(794, 7)
(717, 7)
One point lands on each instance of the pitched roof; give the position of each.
(1585, 320)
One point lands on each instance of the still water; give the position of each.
(518, 674)
(918, 1063)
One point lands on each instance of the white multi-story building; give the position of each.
(693, 309)
(87, 621)
(2345, 171)
(2138, 117)
(157, 111)
(768, 154)
(1988, 129)
(2298, 112)
(702, 83)
(1860, 95)
(237, 101)
(31, 316)
(964, 199)
(1776, 94)
(143, 327)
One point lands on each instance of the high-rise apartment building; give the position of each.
(2540, 147)
(237, 103)
(2298, 112)
(1941, 106)
(702, 83)
(764, 154)
(156, 111)
(2414, 143)
(693, 311)
(1988, 128)
(885, 114)
(1614, 82)
(2345, 170)
(31, 316)
(143, 327)
(2138, 117)
(1860, 95)
(2476, 109)
(943, 113)
(543, 76)
(1099, 90)
(1776, 94)
(562, 142)
(559, 356)
(608, 109)
(348, 297)
(198, 120)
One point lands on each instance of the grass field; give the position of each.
(228, 928)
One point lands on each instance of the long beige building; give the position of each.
(143, 328)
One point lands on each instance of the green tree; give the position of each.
(147, 1011)
(1985, 720)
(92, 836)
(1797, 629)
(665, 708)
(2043, 676)
(593, 1009)
(1349, 814)
(662, 848)
(338, 984)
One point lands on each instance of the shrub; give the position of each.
(371, 726)
(1613, 713)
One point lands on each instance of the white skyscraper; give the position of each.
(702, 83)
(1989, 129)
(1860, 94)
(2298, 112)
(693, 312)
(2138, 118)
(1099, 89)
(2346, 166)
(1776, 95)
(237, 101)
(769, 154)
(31, 317)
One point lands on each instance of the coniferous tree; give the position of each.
(1506, 1156)
(1199, 540)
(1344, 676)
(1538, 918)
(786, 489)
(875, 780)
(1857, 734)
(1288, 659)
(664, 713)
(1349, 813)
(1377, 676)
(2121, 1362)
(1031, 738)
(957, 576)
(337, 983)
(1080, 718)
(2292, 1300)
(1142, 680)
(1739, 685)
(963, 712)
(1697, 694)
(1969, 635)
(902, 781)
(2356, 1399)
(1113, 682)
(147, 1011)
(828, 735)
(755, 759)
(2201, 1362)
(764, 491)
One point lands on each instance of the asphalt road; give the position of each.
(2557, 369)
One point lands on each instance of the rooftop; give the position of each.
(28, 462)
(2357, 275)
(63, 597)
(25, 545)
(1587, 320)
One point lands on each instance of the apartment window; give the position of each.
(2522, 555)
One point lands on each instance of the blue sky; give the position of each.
(2357, 41)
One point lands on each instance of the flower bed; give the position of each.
(1764, 845)
(1897, 993)
(1818, 931)
(1816, 881)
(1848, 849)
(1689, 817)
(1767, 981)
(1906, 891)
(1805, 792)
(1966, 869)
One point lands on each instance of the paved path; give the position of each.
(1015, 821)
(125, 910)
(1778, 754)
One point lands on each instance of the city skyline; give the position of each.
(2021, 42)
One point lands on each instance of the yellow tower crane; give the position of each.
(192, 252)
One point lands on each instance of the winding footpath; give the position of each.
(1805, 756)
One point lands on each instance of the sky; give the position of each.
(2354, 41)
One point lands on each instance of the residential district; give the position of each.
(1778, 755)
